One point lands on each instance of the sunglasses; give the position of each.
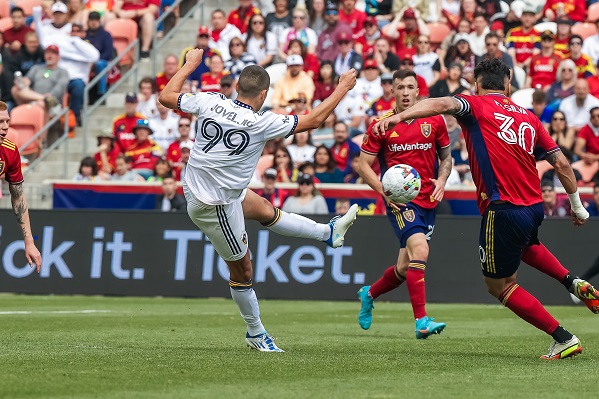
(491, 44)
(184, 125)
(332, 12)
(281, 156)
(559, 119)
(304, 183)
(258, 23)
(547, 190)
(236, 44)
(343, 42)
(225, 85)
(407, 63)
(387, 82)
(568, 70)
(423, 42)
(575, 43)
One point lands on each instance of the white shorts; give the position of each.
(224, 225)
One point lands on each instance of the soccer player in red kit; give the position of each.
(10, 169)
(501, 138)
(416, 142)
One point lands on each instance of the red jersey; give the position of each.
(139, 4)
(161, 81)
(122, 126)
(523, 42)
(13, 35)
(501, 138)
(112, 154)
(367, 48)
(355, 20)
(414, 142)
(422, 87)
(10, 162)
(575, 9)
(144, 154)
(210, 82)
(591, 137)
(593, 82)
(311, 63)
(561, 47)
(584, 66)
(543, 69)
(381, 106)
(405, 45)
(242, 21)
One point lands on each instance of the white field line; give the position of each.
(25, 312)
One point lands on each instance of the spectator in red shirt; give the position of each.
(587, 145)
(171, 66)
(523, 41)
(173, 153)
(107, 153)
(274, 195)
(584, 63)
(210, 81)
(354, 18)
(365, 42)
(344, 148)
(564, 30)
(543, 67)
(311, 63)
(240, 17)
(144, 13)
(326, 82)
(406, 37)
(575, 9)
(15, 36)
(144, 151)
(123, 124)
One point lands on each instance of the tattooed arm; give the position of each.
(19, 206)
(444, 170)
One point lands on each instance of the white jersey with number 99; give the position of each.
(229, 140)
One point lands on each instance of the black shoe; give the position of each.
(144, 55)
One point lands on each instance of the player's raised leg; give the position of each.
(293, 225)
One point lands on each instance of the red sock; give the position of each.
(539, 257)
(389, 281)
(528, 308)
(416, 287)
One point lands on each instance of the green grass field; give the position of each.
(189, 348)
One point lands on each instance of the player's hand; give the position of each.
(385, 124)
(439, 190)
(194, 57)
(394, 205)
(34, 258)
(579, 218)
(348, 79)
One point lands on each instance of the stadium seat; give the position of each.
(27, 5)
(123, 31)
(520, 76)
(593, 12)
(4, 9)
(586, 171)
(12, 135)
(5, 23)
(27, 120)
(276, 71)
(264, 163)
(523, 97)
(439, 31)
(543, 26)
(584, 30)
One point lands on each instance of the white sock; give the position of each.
(293, 225)
(246, 301)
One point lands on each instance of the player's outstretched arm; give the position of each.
(170, 94)
(422, 109)
(565, 174)
(19, 206)
(317, 116)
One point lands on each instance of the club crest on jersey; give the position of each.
(244, 238)
(2, 165)
(409, 215)
(426, 129)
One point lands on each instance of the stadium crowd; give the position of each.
(552, 48)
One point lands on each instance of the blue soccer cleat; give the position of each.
(339, 226)
(365, 316)
(262, 342)
(425, 326)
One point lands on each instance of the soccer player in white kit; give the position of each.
(229, 142)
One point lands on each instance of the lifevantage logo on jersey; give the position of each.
(410, 147)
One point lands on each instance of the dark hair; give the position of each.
(149, 80)
(91, 162)
(218, 10)
(596, 186)
(162, 161)
(550, 128)
(250, 30)
(539, 97)
(331, 165)
(492, 73)
(309, 142)
(125, 158)
(305, 165)
(252, 80)
(303, 48)
(3, 106)
(491, 35)
(281, 147)
(401, 74)
(17, 9)
(593, 110)
(479, 14)
(333, 74)
(575, 37)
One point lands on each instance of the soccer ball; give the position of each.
(401, 183)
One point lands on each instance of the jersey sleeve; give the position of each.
(465, 108)
(372, 143)
(14, 174)
(276, 125)
(193, 103)
(442, 135)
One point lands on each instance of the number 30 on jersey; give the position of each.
(234, 139)
(509, 135)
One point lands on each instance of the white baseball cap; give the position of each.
(59, 7)
(295, 59)
(461, 36)
(186, 144)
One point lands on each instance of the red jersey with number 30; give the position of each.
(10, 162)
(501, 138)
(413, 143)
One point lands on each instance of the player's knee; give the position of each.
(418, 249)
